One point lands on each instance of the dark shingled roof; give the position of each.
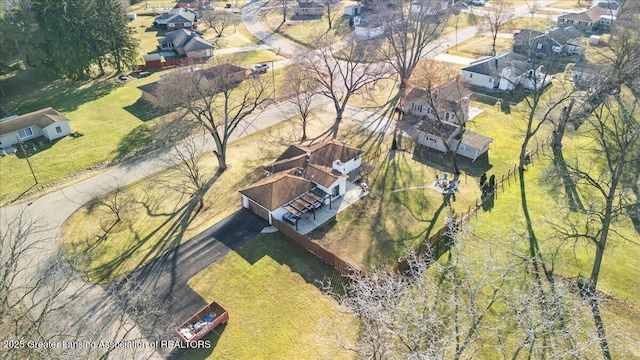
(564, 35)
(41, 118)
(322, 175)
(475, 140)
(493, 66)
(277, 190)
(446, 97)
(151, 88)
(590, 15)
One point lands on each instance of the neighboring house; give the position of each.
(429, 7)
(189, 4)
(451, 102)
(369, 26)
(353, 10)
(186, 42)
(176, 18)
(597, 18)
(559, 41)
(433, 134)
(46, 122)
(302, 179)
(505, 72)
(229, 73)
(309, 8)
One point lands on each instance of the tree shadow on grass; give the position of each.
(144, 111)
(287, 252)
(63, 95)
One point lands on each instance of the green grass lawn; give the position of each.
(538, 24)
(104, 112)
(571, 4)
(276, 311)
(156, 220)
(247, 59)
(303, 31)
(479, 46)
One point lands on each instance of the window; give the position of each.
(539, 46)
(58, 129)
(23, 133)
(470, 76)
(462, 147)
(420, 108)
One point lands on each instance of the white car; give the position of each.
(259, 69)
(478, 2)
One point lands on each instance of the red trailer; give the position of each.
(200, 324)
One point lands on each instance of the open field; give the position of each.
(270, 287)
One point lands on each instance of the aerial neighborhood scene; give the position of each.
(320, 179)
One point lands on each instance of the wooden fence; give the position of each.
(325, 255)
(433, 243)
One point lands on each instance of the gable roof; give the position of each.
(195, 43)
(475, 140)
(151, 88)
(41, 118)
(322, 175)
(306, 4)
(563, 36)
(493, 66)
(329, 150)
(277, 190)
(176, 15)
(590, 15)
(446, 96)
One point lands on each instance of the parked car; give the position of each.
(259, 69)
(144, 74)
(290, 218)
(478, 2)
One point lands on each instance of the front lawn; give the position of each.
(479, 46)
(160, 217)
(99, 109)
(537, 24)
(270, 287)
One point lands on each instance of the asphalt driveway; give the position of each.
(162, 284)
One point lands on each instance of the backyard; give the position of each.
(271, 289)
(480, 46)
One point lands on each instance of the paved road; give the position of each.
(87, 311)
(163, 282)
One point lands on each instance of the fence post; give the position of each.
(502, 182)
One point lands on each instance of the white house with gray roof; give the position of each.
(505, 72)
(47, 122)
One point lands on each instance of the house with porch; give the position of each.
(302, 179)
(448, 102)
(368, 26)
(47, 123)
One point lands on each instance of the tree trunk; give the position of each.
(222, 160)
(602, 336)
(304, 129)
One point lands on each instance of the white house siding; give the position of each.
(342, 182)
(479, 79)
(11, 138)
(50, 131)
(345, 168)
(369, 33)
(199, 53)
(278, 214)
(431, 141)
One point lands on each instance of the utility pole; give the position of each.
(273, 81)
(26, 156)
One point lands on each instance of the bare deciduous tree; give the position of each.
(301, 91)
(441, 86)
(409, 33)
(450, 309)
(116, 202)
(219, 99)
(340, 73)
(219, 20)
(496, 20)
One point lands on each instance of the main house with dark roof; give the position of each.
(447, 102)
(47, 122)
(559, 41)
(186, 42)
(302, 179)
(505, 72)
